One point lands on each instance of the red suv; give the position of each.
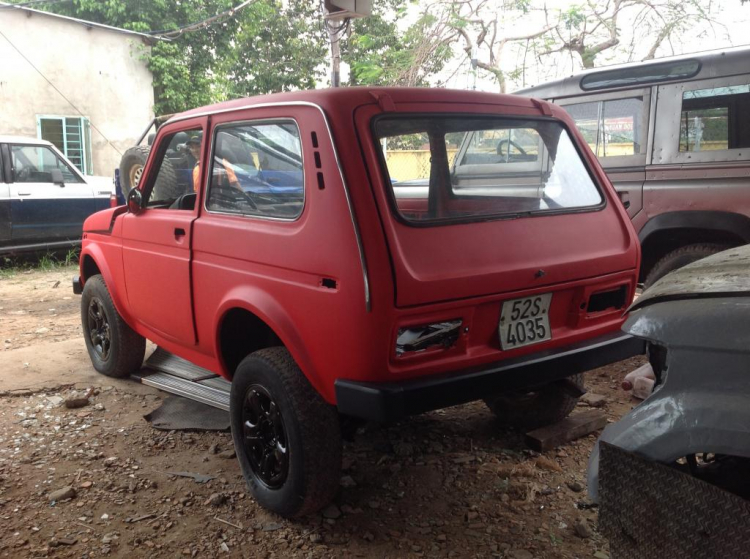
(364, 252)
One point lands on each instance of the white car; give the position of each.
(44, 199)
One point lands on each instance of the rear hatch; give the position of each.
(492, 200)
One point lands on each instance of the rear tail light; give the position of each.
(113, 200)
(429, 336)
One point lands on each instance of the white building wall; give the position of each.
(100, 71)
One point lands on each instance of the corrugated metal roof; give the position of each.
(89, 24)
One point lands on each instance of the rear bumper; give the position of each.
(394, 400)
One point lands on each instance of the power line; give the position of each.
(58, 91)
(203, 24)
(31, 3)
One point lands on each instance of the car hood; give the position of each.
(102, 222)
(100, 184)
(726, 274)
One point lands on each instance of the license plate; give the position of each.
(525, 321)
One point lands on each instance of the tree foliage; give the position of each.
(379, 53)
(591, 31)
(275, 48)
(269, 46)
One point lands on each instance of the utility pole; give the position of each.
(334, 36)
(337, 15)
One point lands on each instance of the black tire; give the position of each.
(131, 166)
(115, 349)
(679, 258)
(536, 408)
(276, 412)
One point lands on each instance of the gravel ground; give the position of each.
(95, 481)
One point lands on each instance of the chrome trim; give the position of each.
(358, 236)
(252, 123)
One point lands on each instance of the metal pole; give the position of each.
(335, 57)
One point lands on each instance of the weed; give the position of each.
(48, 262)
(7, 273)
(71, 258)
(8, 268)
(13, 265)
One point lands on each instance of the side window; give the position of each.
(611, 128)
(35, 163)
(256, 170)
(178, 171)
(712, 119)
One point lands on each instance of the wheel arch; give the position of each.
(92, 262)
(669, 231)
(257, 320)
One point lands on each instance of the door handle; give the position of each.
(24, 193)
(624, 198)
(179, 232)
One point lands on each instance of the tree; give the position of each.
(263, 48)
(275, 48)
(378, 53)
(483, 27)
(626, 30)
(590, 29)
(181, 67)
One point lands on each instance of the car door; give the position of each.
(616, 127)
(701, 143)
(40, 209)
(156, 242)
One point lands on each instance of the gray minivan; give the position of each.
(674, 138)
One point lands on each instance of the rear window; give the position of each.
(449, 168)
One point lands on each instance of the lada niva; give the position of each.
(368, 253)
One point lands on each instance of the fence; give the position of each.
(406, 165)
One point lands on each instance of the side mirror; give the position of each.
(134, 201)
(57, 177)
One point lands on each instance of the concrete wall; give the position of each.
(98, 70)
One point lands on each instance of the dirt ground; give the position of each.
(445, 484)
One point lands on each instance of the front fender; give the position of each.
(700, 407)
(117, 293)
(667, 428)
(273, 313)
(723, 222)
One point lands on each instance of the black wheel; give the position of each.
(287, 438)
(114, 348)
(679, 258)
(531, 409)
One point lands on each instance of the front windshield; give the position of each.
(459, 168)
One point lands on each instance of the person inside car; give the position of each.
(194, 145)
(224, 167)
